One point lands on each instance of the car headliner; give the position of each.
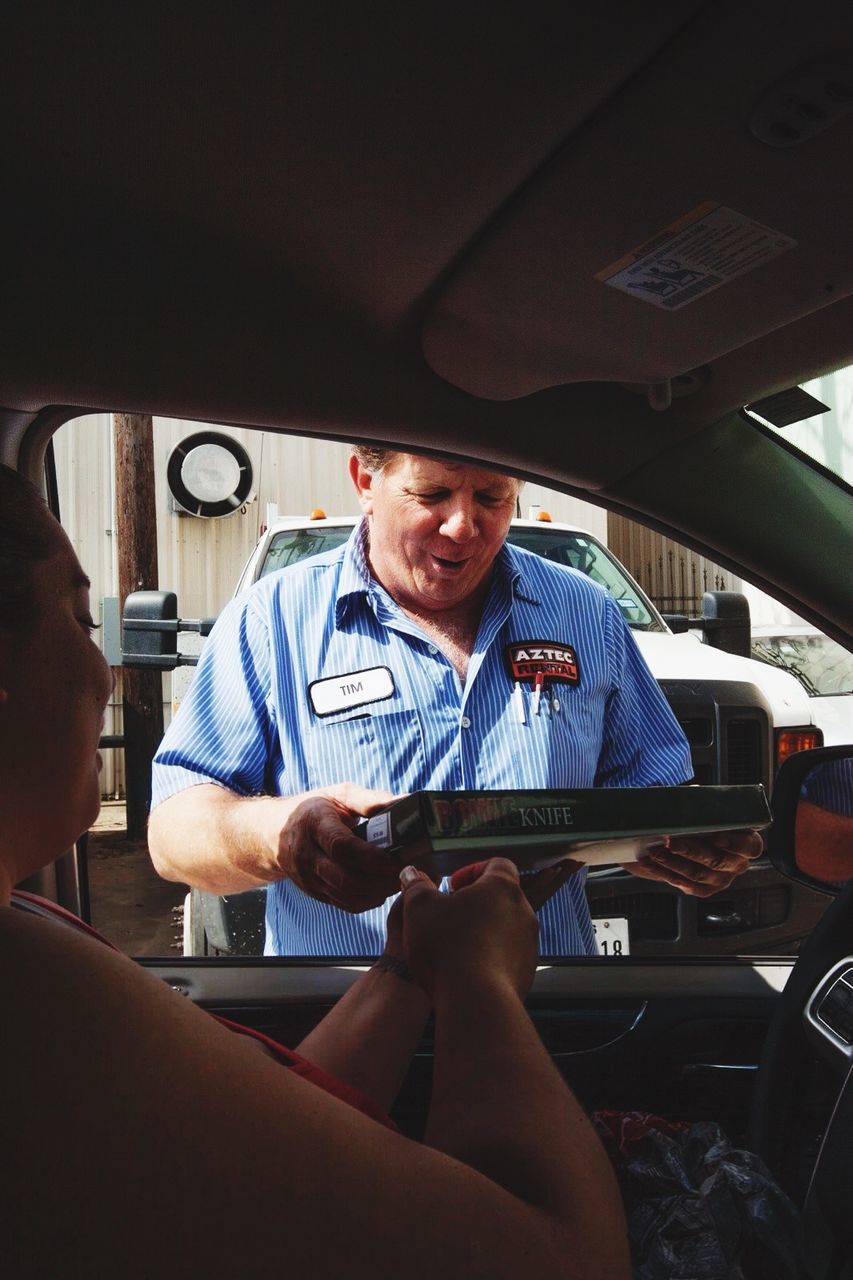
(385, 221)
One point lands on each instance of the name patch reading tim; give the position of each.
(531, 658)
(352, 689)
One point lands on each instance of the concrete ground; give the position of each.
(131, 905)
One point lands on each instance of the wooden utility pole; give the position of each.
(136, 538)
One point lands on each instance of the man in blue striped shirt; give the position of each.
(392, 665)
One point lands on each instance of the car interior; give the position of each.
(601, 249)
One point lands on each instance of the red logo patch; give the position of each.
(531, 658)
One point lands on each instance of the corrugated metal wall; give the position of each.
(84, 472)
(201, 559)
(674, 576)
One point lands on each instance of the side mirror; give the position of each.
(726, 622)
(149, 631)
(811, 839)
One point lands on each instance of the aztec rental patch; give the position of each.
(531, 658)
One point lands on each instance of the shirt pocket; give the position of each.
(552, 748)
(382, 751)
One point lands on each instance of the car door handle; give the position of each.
(723, 920)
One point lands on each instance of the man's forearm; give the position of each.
(499, 1105)
(215, 840)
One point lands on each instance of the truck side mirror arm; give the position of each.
(149, 631)
(678, 623)
(725, 622)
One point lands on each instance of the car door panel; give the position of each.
(679, 1040)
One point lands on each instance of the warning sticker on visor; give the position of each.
(531, 658)
(703, 250)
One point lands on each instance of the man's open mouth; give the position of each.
(450, 564)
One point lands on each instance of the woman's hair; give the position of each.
(26, 537)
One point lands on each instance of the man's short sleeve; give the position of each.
(224, 730)
(643, 744)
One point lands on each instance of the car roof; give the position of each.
(408, 225)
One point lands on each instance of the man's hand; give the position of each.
(319, 853)
(700, 865)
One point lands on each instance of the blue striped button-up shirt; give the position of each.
(249, 721)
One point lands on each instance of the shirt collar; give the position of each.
(355, 580)
(510, 569)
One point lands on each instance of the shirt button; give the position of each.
(433, 648)
(465, 722)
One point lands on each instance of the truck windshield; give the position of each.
(562, 546)
(822, 667)
(579, 551)
(298, 544)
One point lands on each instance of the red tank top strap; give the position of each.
(44, 907)
(310, 1071)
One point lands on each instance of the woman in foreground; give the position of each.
(142, 1137)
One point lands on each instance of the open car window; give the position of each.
(730, 740)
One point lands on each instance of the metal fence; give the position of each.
(674, 576)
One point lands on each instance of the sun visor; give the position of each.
(636, 264)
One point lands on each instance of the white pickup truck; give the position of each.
(741, 718)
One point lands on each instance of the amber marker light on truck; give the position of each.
(790, 741)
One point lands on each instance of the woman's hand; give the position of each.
(538, 886)
(484, 931)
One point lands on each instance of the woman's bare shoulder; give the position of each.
(42, 961)
(44, 941)
(66, 992)
(144, 1133)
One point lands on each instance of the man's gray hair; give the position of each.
(375, 460)
(372, 458)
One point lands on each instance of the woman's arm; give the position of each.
(141, 1133)
(498, 1103)
(370, 1036)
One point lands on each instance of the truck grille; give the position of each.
(743, 749)
(727, 726)
(699, 731)
(653, 916)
